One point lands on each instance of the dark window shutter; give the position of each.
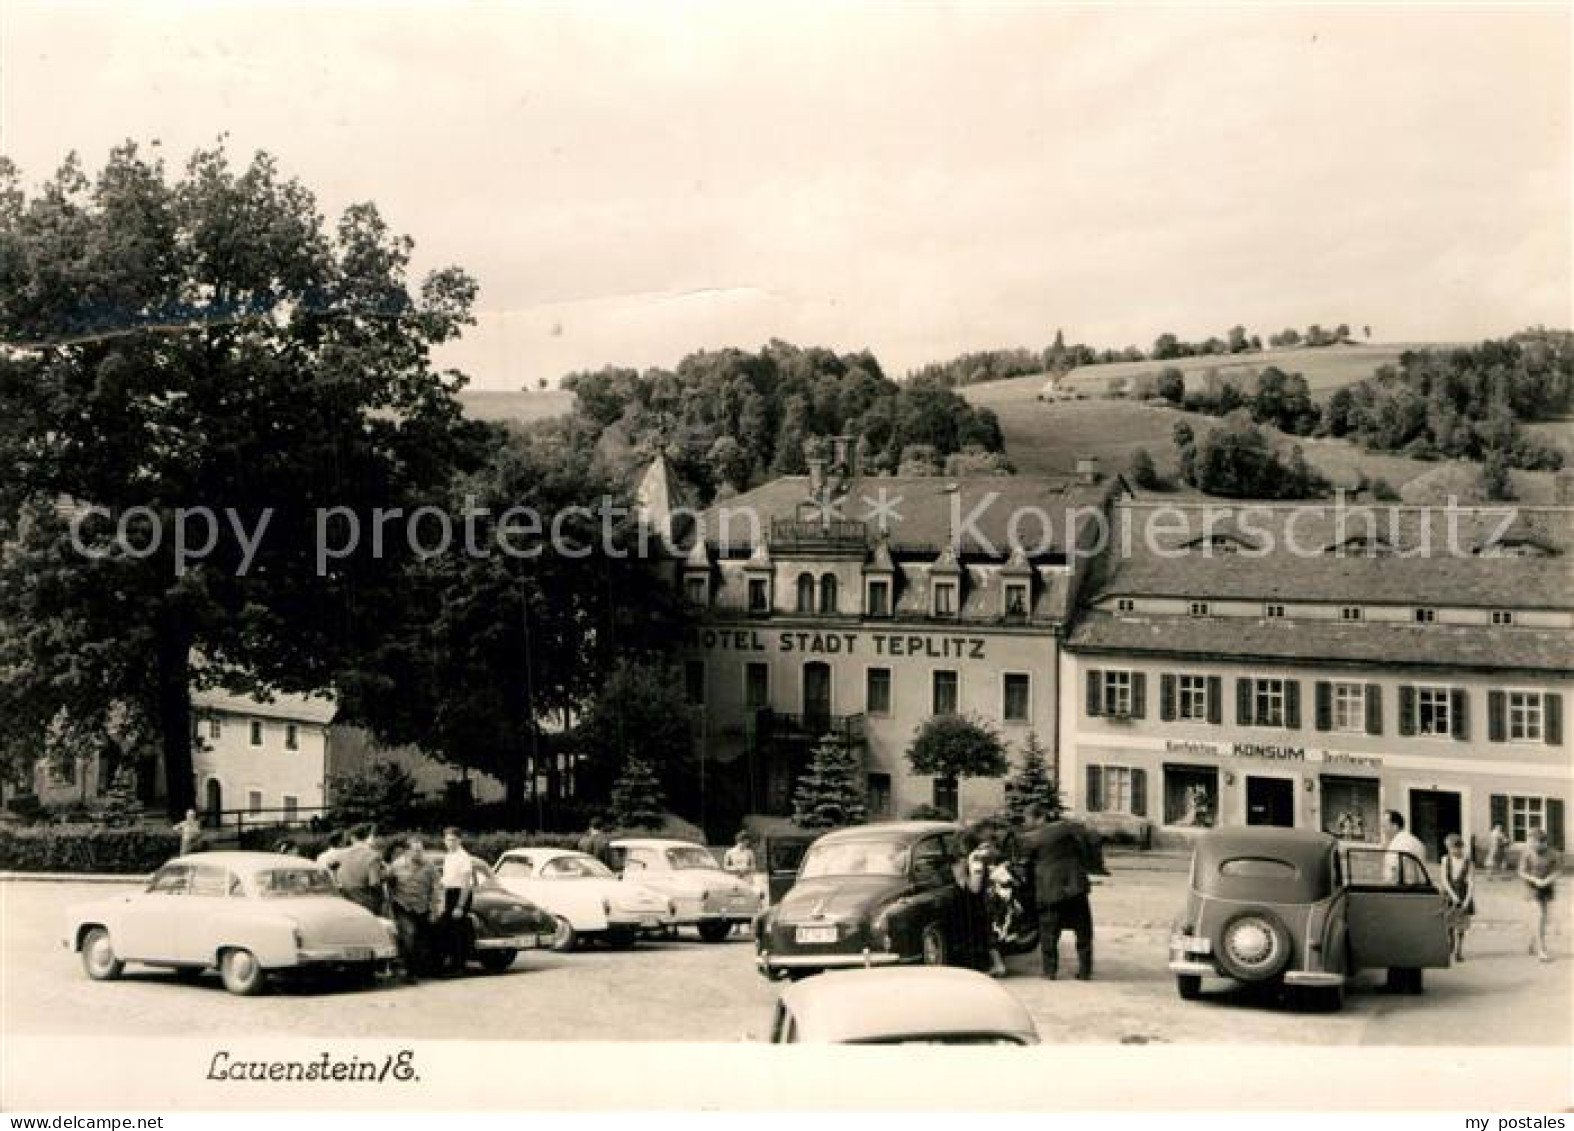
(1374, 708)
(1459, 712)
(1243, 702)
(1292, 704)
(1555, 822)
(1166, 697)
(1095, 693)
(1139, 694)
(1498, 811)
(1407, 709)
(1215, 699)
(1095, 799)
(1139, 793)
(1552, 718)
(1497, 716)
(1323, 693)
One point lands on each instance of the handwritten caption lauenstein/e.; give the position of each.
(322, 1068)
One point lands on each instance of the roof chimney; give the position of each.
(1087, 469)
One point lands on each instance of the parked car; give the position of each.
(503, 923)
(899, 1007)
(250, 914)
(875, 895)
(703, 896)
(585, 898)
(1296, 908)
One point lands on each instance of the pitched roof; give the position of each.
(319, 709)
(658, 493)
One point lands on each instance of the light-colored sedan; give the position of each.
(584, 896)
(703, 895)
(900, 1006)
(249, 914)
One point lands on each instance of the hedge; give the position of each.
(486, 846)
(84, 849)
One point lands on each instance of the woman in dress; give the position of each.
(972, 876)
(1538, 867)
(1459, 886)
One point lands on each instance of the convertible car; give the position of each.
(250, 914)
(901, 1007)
(584, 898)
(503, 923)
(1298, 909)
(703, 896)
(875, 895)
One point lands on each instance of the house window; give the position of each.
(879, 795)
(694, 590)
(1273, 612)
(254, 801)
(1191, 698)
(1432, 715)
(805, 593)
(1198, 608)
(877, 691)
(1111, 789)
(945, 693)
(292, 736)
(1524, 716)
(1524, 815)
(756, 686)
(1425, 616)
(945, 598)
(1350, 612)
(1502, 616)
(1268, 702)
(291, 807)
(880, 598)
(694, 682)
(759, 595)
(1117, 694)
(256, 732)
(828, 593)
(1349, 707)
(1016, 697)
(945, 795)
(1016, 599)
(215, 728)
(1125, 605)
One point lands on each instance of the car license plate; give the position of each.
(816, 934)
(359, 953)
(650, 922)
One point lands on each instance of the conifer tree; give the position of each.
(636, 797)
(1032, 784)
(830, 793)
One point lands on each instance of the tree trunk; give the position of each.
(514, 789)
(174, 720)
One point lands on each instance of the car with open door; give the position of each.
(1300, 910)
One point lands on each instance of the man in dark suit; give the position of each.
(1061, 854)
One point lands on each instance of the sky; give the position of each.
(632, 183)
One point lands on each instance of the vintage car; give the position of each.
(874, 895)
(900, 1007)
(503, 922)
(250, 914)
(1299, 909)
(703, 896)
(586, 900)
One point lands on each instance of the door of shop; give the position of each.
(1434, 813)
(1270, 801)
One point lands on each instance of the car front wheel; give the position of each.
(933, 946)
(98, 956)
(242, 973)
(496, 961)
(1189, 986)
(566, 938)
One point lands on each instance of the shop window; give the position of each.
(694, 682)
(759, 595)
(1016, 693)
(756, 686)
(880, 598)
(1191, 795)
(1350, 808)
(944, 700)
(877, 691)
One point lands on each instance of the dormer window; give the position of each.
(1125, 605)
(805, 593)
(1425, 616)
(1502, 616)
(1273, 611)
(1016, 595)
(878, 603)
(1198, 609)
(759, 595)
(1350, 612)
(945, 603)
(696, 591)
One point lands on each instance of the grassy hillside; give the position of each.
(518, 406)
(1047, 437)
(1325, 368)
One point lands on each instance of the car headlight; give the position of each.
(880, 933)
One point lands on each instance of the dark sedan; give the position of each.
(502, 924)
(875, 895)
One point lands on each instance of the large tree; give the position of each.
(189, 344)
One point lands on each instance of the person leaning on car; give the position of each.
(360, 871)
(415, 898)
(1061, 854)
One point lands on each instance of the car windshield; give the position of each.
(576, 868)
(483, 874)
(294, 881)
(855, 858)
(692, 857)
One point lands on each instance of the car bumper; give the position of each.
(767, 961)
(339, 955)
(630, 921)
(514, 942)
(1323, 978)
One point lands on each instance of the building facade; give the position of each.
(1284, 665)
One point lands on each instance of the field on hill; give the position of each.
(1044, 437)
(1325, 368)
(516, 405)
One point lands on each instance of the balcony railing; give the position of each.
(811, 726)
(817, 534)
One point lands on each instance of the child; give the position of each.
(1538, 867)
(1459, 885)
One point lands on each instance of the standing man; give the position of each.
(595, 843)
(415, 898)
(1061, 853)
(360, 872)
(190, 831)
(458, 892)
(1399, 840)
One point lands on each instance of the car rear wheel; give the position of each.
(242, 973)
(1189, 986)
(496, 961)
(98, 956)
(1253, 946)
(566, 938)
(933, 946)
(714, 930)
